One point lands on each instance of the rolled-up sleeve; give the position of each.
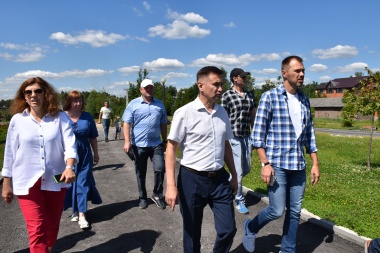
(260, 127)
(11, 145)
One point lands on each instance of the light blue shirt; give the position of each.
(146, 120)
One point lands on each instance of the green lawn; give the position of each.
(347, 193)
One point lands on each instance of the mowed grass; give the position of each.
(347, 193)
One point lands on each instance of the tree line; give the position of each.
(172, 97)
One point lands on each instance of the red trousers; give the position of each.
(42, 212)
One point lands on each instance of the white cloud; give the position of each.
(267, 57)
(269, 71)
(336, 52)
(137, 12)
(190, 17)
(163, 64)
(317, 68)
(20, 77)
(171, 75)
(353, 67)
(146, 5)
(178, 30)
(95, 38)
(230, 25)
(129, 70)
(324, 79)
(232, 60)
(33, 52)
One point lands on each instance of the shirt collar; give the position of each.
(199, 105)
(283, 90)
(141, 100)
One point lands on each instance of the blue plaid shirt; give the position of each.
(273, 130)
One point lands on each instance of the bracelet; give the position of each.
(69, 167)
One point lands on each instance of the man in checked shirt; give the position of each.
(283, 128)
(240, 106)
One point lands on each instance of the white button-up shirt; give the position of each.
(201, 134)
(37, 149)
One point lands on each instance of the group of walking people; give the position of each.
(43, 141)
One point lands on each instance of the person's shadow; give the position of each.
(143, 240)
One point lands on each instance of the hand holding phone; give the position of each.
(272, 180)
(57, 178)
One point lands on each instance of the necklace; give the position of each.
(74, 115)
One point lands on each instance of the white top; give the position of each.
(201, 134)
(295, 112)
(106, 112)
(34, 150)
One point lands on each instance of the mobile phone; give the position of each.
(131, 155)
(272, 180)
(57, 178)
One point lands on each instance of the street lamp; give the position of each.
(163, 81)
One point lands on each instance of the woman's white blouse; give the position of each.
(37, 150)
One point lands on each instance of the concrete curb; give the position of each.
(343, 232)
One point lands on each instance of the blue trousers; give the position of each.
(195, 193)
(156, 155)
(285, 195)
(106, 127)
(374, 246)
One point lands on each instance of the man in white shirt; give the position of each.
(106, 116)
(202, 129)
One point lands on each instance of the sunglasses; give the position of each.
(36, 91)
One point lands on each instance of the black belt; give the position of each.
(204, 173)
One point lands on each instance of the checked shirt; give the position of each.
(238, 109)
(273, 130)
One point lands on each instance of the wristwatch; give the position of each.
(264, 164)
(70, 167)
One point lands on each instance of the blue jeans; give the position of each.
(195, 193)
(156, 155)
(106, 126)
(374, 247)
(242, 152)
(287, 192)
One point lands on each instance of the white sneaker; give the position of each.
(248, 238)
(83, 222)
(241, 208)
(74, 217)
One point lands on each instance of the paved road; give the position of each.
(118, 225)
(342, 132)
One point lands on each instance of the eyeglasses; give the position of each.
(36, 91)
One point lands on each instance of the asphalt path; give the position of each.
(118, 225)
(343, 132)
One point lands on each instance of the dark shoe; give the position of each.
(106, 139)
(143, 204)
(159, 202)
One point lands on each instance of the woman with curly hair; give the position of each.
(85, 131)
(40, 144)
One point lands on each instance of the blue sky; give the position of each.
(93, 44)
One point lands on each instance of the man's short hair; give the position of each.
(205, 71)
(287, 60)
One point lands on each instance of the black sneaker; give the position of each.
(159, 201)
(106, 139)
(143, 204)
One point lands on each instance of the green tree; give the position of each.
(309, 89)
(365, 99)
